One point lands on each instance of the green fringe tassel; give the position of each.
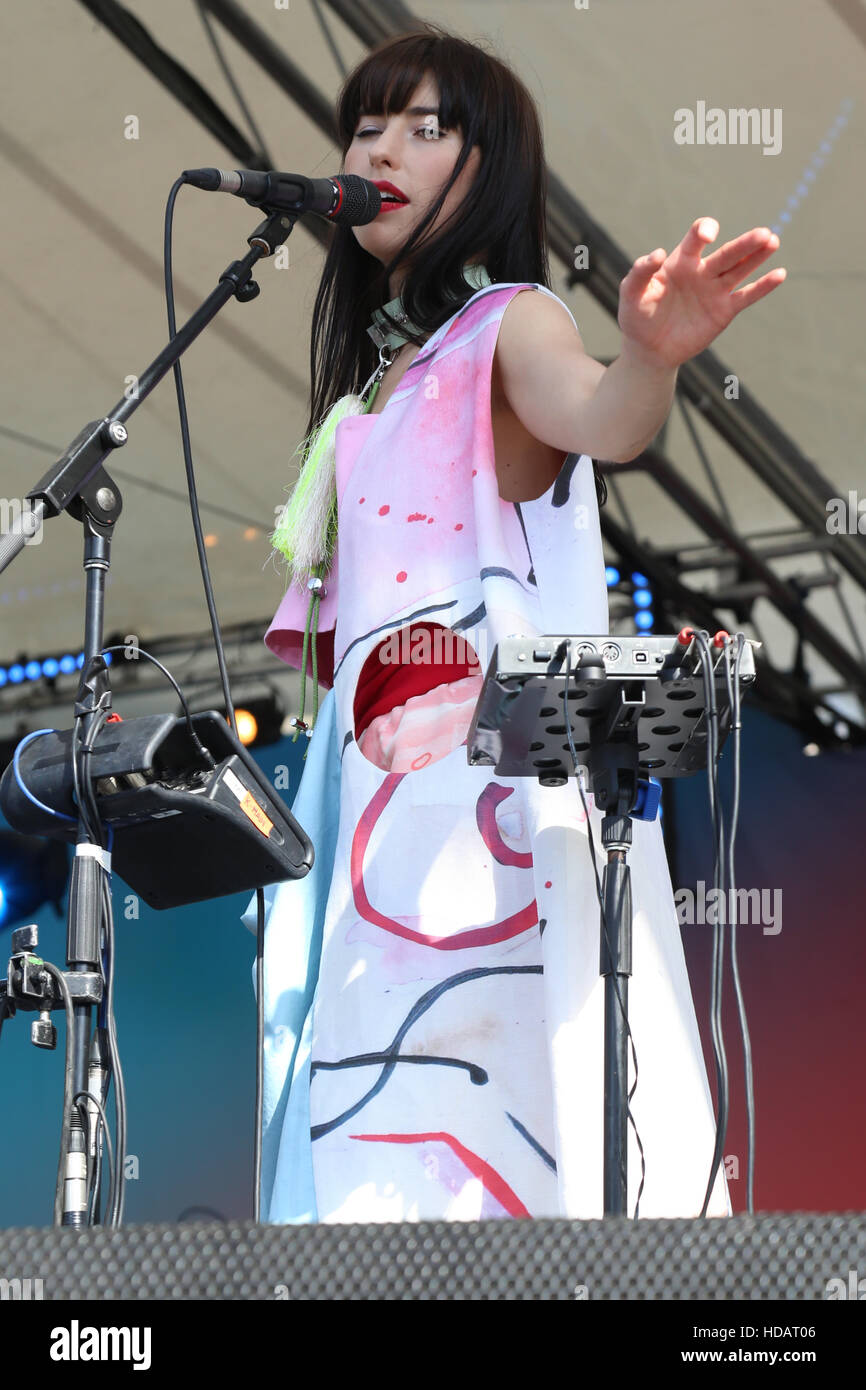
(306, 532)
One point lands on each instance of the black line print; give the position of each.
(562, 486)
(418, 1008)
(471, 619)
(530, 578)
(533, 1142)
(477, 1075)
(503, 573)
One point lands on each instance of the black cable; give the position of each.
(81, 802)
(115, 1215)
(187, 458)
(734, 697)
(717, 966)
(610, 953)
(701, 639)
(84, 789)
(68, 1088)
(93, 1205)
(81, 1100)
(224, 678)
(205, 752)
(115, 1070)
(86, 782)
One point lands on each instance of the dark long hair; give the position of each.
(501, 220)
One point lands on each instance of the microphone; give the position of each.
(348, 199)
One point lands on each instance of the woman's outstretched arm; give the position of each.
(671, 307)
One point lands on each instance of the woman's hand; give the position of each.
(672, 307)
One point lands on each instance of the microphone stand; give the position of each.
(79, 484)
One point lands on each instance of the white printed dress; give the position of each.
(433, 1001)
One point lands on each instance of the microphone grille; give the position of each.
(361, 201)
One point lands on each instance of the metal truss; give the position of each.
(742, 566)
(138, 686)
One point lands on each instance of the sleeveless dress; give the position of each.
(434, 1009)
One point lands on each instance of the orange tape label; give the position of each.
(252, 809)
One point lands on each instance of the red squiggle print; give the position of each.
(493, 1182)
(485, 816)
(478, 936)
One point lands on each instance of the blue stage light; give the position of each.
(50, 667)
(33, 670)
(67, 664)
(640, 580)
(16, 673)
(79, 660)
(611, 574)
(642, 598)
(3, 676)
(643, 618)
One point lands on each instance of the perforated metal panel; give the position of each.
(765, 1257)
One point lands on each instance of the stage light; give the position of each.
(642, 598)
(33, 670)
(640, 580)
(16, 673)
(259, 720)
(33, 871)
(50, 667)
(67, 664)
(247, 726)
(3, 676)
(643, 618)
(611, 574)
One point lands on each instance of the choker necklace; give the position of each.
(384, 335)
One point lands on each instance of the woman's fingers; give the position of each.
(702, 231)
(646, 266)
(751, 247)
(750, 294)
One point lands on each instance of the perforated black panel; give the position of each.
(765, 1257)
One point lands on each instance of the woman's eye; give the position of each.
(429, 132)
